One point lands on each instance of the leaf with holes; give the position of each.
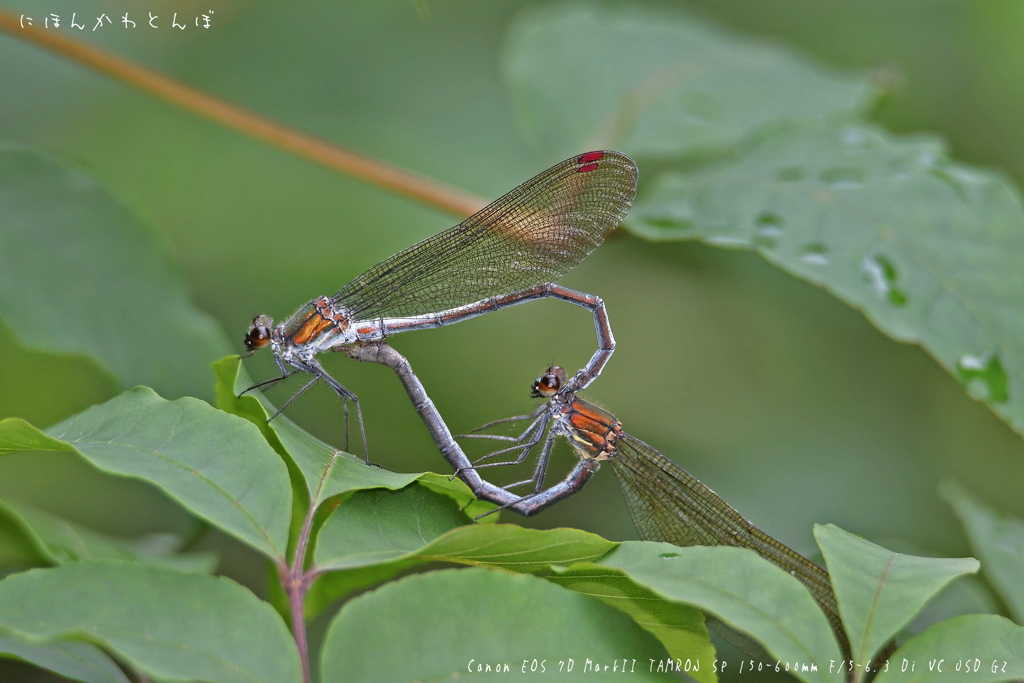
(997, 539)
(931, 251)
(656, 82)
(216, 465)
(880, 591)
(81, 274)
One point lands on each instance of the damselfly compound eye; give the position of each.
(258, 335)
(556, 376)
(548, 384)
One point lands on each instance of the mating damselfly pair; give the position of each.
(509, 253)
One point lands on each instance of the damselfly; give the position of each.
(665, 502)
(506, 254)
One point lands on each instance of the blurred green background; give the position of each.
(786, 402)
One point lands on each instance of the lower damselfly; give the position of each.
(665, 502)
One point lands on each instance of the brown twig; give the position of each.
(415, 186)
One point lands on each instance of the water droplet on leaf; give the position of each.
(881, 274)
(769, 229)
(854, 137)
(728, 241)
(668, 222)
(768, 218)
(984, 376)
(814, 253)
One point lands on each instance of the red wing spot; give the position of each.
(591, 156)
(586, 169)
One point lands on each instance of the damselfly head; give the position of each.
(548, 384)
(258, 335)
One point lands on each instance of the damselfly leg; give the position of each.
(525, 443)
(314, 368)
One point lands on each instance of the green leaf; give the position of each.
(968, 594)
(80, 273)
(745, 591)
(657, 83)
(679, 627)
(214, 464)
(998, 540)
(169, 624)
(374, 535)
(493, 545)
(72, 659)
(517, 549)
(326, 470)
(56, 540)
(931, 251)
(880, 591)
(337, 584)
(16, 436)
(440, 626)
(457, 490)
(19, 545)
(373, 527)
(980, 648)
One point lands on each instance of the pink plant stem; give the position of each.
(296, 582)
(297, 597)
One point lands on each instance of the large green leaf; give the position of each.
(72, 659)
(214, 464)
(342, 543)
(55, 540)
(20, 547)
(374, 535)
(656, 82)
(374, 527)
(337, 584)
(981, 648)
(880, 591)
(440, 626)
(931, 251)
(81, 274)
(968, 594)
(746, 592)
(327, 471)
(171, 625)
(998, 540)
(678, 626)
